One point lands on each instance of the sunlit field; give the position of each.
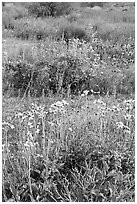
(68, 111)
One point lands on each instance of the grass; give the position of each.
(24, 27)
(76, 143)
(42, 133)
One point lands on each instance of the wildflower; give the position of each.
(30, 124)
(12, 126)
(99, 102)
(3, 147)
(85, 93)
(51, 124)
(70, 129)
(58, 103)
(29, 144)
(20, 114)
(108, 109)
(122, 126)
(115, 108)
(8, 124)
(129, 117)
(38, 155)
(58, 107)
(64, 102)
(38, 131)
(127, 131)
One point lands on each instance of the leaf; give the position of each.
(105, 167)
(35, 174)
(7, 190)
(34, 190)
(119, 176)
(98, 176)
(112, 173)
(11, 200)
(13, 190)
(50, 198)
(111, 192)
(113, 199)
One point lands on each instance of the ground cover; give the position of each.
(68, 115)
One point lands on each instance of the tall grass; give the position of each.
(68, 122)
(62, 145)
(25, 27)
(79, 65)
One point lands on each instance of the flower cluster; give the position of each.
(58, 107)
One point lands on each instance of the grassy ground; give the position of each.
(86, 142)
(63, 148)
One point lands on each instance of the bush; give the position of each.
(7, 21)
(101, 68)
(72, 31)
(44, 9)
(12, 13)
(127, 84)
(7, 33)
(18, 77)
(33, 29)
(50, 77)
(92, 4)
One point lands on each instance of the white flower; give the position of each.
(30, 124)
(99, 102)
(128, 117)
(85, 93)
(38, 131)
(3, 147)
(58, 103)
(20, 114)
(70, 129)
(12, 126)
(128, 131)
(115, 108)
(27, 144)
(51, 123)
(120, 125)
(65, 102)
(8, 124)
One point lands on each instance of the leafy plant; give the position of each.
(49, 9)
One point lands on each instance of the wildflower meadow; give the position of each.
(68, 102)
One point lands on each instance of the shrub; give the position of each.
(73, 17)
(115, 32)
(44, 9)
(127, 84)
(33, 29)
(18, 77)
(99, 68)
(72, 31)
(92, 4)
(7, 21)
(7, 33)
(16, 11)
(12, 13)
